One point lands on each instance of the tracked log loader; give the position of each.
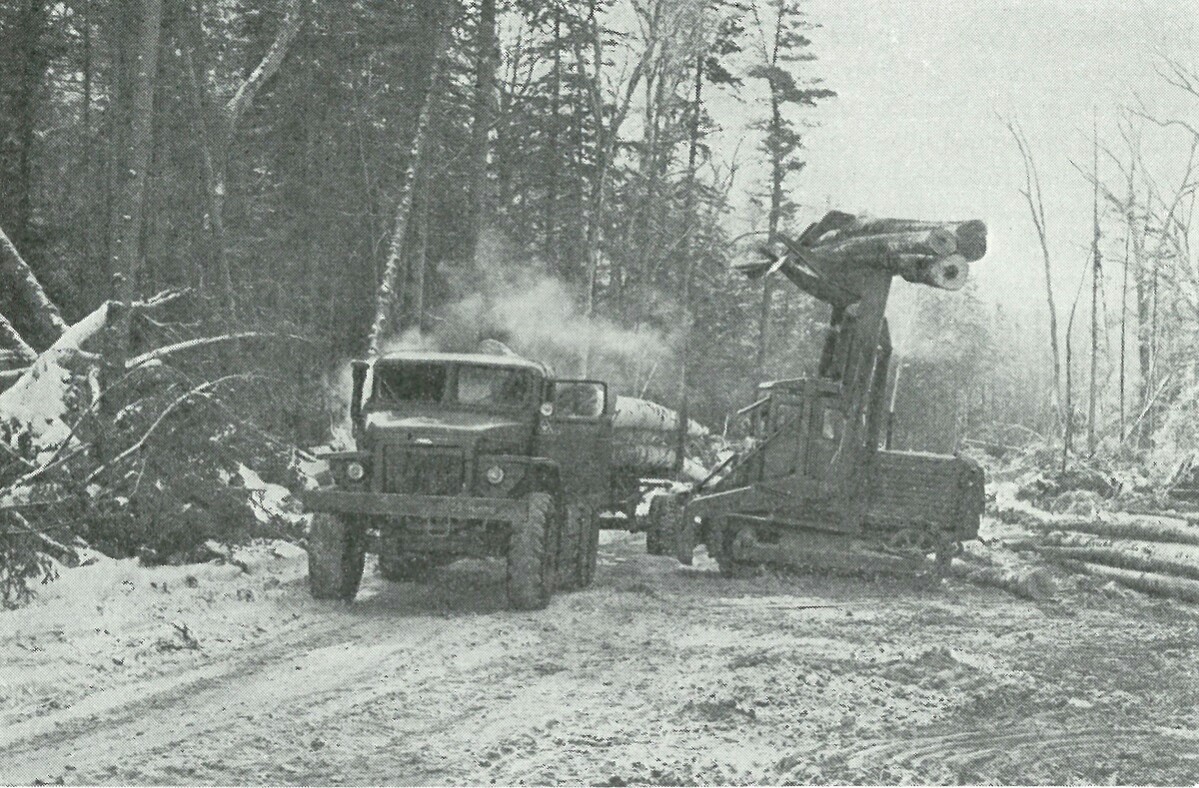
(815, 490)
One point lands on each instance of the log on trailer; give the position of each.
(634, 413)
(645, 437)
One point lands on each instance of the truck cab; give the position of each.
(465, 455)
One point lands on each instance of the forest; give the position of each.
(242, 196)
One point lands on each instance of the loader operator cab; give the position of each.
(800, 421)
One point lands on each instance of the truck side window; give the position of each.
(580, 399)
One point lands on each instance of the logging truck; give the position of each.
(477, 455)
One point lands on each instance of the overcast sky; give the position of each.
(923, 84)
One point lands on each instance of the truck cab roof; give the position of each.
(487, 359)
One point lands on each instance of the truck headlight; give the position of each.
(355, 471)
(495, 474)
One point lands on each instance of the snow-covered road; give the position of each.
(657, 674)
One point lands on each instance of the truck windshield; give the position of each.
(480, 385)
(477, 384)
(411, 382)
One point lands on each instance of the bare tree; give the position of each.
(607, 126)
(389, 297)
(1036, 209)
(218, 125)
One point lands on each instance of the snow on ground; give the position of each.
(657, 674)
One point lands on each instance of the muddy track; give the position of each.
(984, 751)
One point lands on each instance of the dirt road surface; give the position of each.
(657, 674)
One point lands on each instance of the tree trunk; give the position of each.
(689, 210)
(776, 206)
(18, 130)
(12, 341)
(553, 257)
(1096, 278)
(417, 315)
(139, 143)
(218, 129)
(485, 44)
(388, 297)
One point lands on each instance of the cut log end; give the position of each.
(948, 273)
(972, 240)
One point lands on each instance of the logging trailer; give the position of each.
(815, 490)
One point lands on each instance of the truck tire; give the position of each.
(579, 546)
(397, 566)
(657, 540)
(669, 533)
(530, 558)
(590, 557)
(336, 556)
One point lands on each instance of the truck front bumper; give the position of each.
(447, 507)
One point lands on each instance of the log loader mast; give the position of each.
(815, 489)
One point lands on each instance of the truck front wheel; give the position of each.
(530, 564)
(336, 556)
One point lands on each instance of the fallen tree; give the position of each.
(1122, 558)
(24, 301)
(1156, 529)
(1145, 582)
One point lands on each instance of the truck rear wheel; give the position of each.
(579, 546)
(657, 540)
(530, 559)
(336, 557)
(669, 532)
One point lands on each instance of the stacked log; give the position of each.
(932, 253)
(1153, 554)
(645, 436)
(633, 413)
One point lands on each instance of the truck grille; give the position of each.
(423, 471)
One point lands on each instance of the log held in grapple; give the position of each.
(832, 252)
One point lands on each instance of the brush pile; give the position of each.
(128, 433)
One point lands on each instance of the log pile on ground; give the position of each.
(124, 432)
(1154, 554)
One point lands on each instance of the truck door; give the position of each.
(578, 436)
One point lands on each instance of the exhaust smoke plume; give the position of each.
(513, 300)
